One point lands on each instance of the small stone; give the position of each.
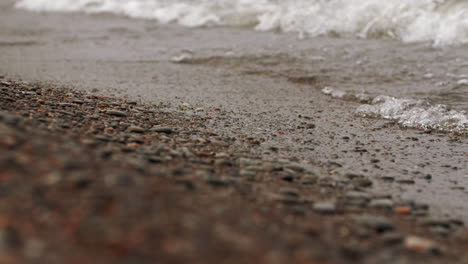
(354, 195)
(325, 207)
(403, 210)
(310, 126)
(136, 129)
(103, 138)
(65, 104)
(78, 102)
(223, 162)
(381, 204)
(433, 222)
(245, 162)
(93, 117)
(406, 181)
(269, 167)
(248, 174)
(392, 238)
(288, 191)
(353, 176)
(34, 248)
(440, 230)
(379, 224)
(295, 167)
(420, 245)
(428, 75)
(387, 178)
(221, 155)
(218, 182)
(308, 180)
(10, 239)
(165, 130)
(363, 183)
(9, 118)
(116, 113)
(158, 159)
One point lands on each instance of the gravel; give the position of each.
(109, 189)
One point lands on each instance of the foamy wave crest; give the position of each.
(416, 114)
(443, 22)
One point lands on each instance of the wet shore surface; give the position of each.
(87, 178)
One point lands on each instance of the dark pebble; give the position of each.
(377, 223)
(218, 182)
(166, 130)
(116, 113)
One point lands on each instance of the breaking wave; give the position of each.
(442, 22)
(406, 112)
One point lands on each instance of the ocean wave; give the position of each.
(410, 113)
(416, 114)
(442, 22)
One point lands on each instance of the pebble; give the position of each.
(248, 174)
(435, 222)
(406, 181)
(420, 245)
(34, 249)
(440, 230)
(9, 239)
(9, 118)
(355, 195)
(392, 238)
(382, 204)
(387, 178)
(295, 167)
(218, 182)
(136, 129)
(288, 191)
(363, 183)
(78, 102)
(378, 223)
(116, 113)
(221, 155)
(325, 207)
(308, 180)
(158, 159)
(165, 130)
(245, 162)
(403, 210)
(310, 126)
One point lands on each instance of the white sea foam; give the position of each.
(442, 22)
(416, 113)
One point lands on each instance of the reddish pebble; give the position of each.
(404, 210)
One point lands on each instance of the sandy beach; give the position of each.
(270, 146)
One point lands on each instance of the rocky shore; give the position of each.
(89, 179)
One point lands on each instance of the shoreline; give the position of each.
(122, 180)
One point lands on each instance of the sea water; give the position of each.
(442, 22)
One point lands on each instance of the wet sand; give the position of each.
(268, 87)
(90, 179)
